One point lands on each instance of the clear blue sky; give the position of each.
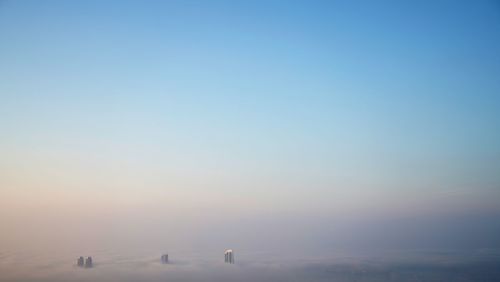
(305, 107)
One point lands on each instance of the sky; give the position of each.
(254, 125)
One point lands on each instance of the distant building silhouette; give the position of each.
(164, 258)
(229, 256)
(79, 262)
(88, 262)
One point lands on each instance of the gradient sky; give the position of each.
(186, 113)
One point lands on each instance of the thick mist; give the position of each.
(397, 266)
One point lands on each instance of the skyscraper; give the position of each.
(164, 258)
(88, 262)
(79, 262)
(229, 256)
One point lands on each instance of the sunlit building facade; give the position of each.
(229, 256)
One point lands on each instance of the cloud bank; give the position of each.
(109, 266)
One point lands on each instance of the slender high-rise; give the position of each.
(79, 261)
(229, 256)
(88, 262)
(164, 258)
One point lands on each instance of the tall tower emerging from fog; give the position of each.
(229, 256)
(164, 258)
(88, 262)
(79, 262)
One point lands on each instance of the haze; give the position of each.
(308, 131)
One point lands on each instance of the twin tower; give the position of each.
(88, 262)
